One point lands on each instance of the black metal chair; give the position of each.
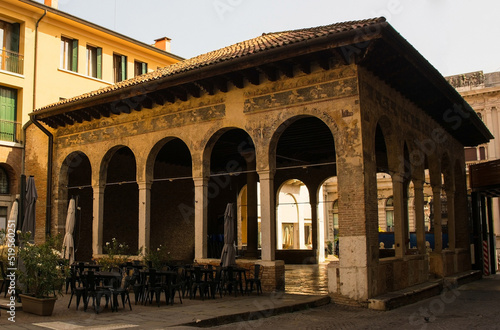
(95, 292)
(216, 283)
(178, 285)
(255, 280)
(120, 289)
(198, 284)
(231, 281)
(153, 286)
(78, 291)
(138, 283)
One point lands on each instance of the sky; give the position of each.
(455, 36)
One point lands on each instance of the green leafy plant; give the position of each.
(330, 247)
(115, 255)
(43, 272)
(157, 257)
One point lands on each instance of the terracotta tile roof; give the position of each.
(259, 44)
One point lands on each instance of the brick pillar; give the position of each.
(200, 218)
(267, 209)
(97, 223)
(450, 203)
(438, 232)
(144, 215)
(418, 187)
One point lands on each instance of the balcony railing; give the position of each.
(11, 61)
(10, 131)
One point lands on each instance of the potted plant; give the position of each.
(41, 273)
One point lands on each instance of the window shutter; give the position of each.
(124, 67)
(144, 68)
(74, 56)
(99, 63)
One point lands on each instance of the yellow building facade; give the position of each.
(46, 56)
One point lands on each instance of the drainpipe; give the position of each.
(50, 152)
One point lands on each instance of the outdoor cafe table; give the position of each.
(240, 275)
(166, 278)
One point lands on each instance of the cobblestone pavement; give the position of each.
(472, 306)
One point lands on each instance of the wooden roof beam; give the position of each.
(252, 75)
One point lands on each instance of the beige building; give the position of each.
(482, 92)
(46, 56)
(156, 159)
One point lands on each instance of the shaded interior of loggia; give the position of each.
(305, 151)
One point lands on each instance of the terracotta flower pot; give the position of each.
(38, 306)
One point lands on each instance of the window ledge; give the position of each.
(10, 144)
(10, 73)
(84, 76)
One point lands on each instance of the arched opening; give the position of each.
(385, 199)
(76, 167)
(232, 167)
(293, 217)
(121, 200)
(172, 201)
(305, 161)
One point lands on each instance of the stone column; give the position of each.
(252, 216)
(438, 232)
(450, 203)
(200, 218)
(418, 187)
(267, 209)
(314, 222)
(144, 215)
(399, 226)
(97, 222)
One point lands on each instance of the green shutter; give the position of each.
(99, 63)
(8, 98)
(144, 68)
(74, 56)
(124, 67)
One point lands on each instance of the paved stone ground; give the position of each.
(472, 306)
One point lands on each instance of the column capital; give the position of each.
(266, 174)
(398, 177)
(144, 185)
(418, 184)
(201, 181)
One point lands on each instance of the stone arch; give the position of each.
(75, 181)
(229, 160)
(121, 197)
(284, 123)
(171, 198)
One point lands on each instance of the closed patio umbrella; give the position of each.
(14, 210)
(29, 215)
(228, 257)
(68, 243)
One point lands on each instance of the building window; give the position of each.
(8, 114)
(120, 67)
(69, 54)
(482, 153)
(470, 154)
(4, 181)
(3, 218)
(94, 62)
(140, 68)
(10, 59)
(389, 213)
(335, 218)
